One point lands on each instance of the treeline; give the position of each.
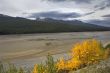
(16, 25)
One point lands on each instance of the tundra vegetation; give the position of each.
(83, 55)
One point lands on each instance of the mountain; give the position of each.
(18, 25)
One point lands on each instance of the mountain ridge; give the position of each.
(18, 25)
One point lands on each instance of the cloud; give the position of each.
(77, 1)
(57, 0)
(102, 5)
(55, 15)
(88, 13)
(7, 8)
(108, 15)
(83, 1)
(18, 7)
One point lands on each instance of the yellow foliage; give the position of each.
(72, 64)
(107, 53)
(35, 69)
(89, 51)
(60, 64)
(68, 65)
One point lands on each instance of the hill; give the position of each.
(18, 25)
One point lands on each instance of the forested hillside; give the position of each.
(17, 25)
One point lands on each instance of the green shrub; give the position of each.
(1, 68)
(12, 69)
(51, 67)
(21, 70)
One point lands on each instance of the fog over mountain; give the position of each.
(92, 11)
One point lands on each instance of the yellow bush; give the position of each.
(73, 64)
(88, 52)
(35, 69)
(68, 65)
(61, 64)
(85, 53)
(107, 53)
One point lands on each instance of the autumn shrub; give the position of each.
(61, 64)
(68, 65)
(83, 54)
(107, 53)
(73, 64)
(88, 51)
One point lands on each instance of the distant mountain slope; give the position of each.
(17, 25)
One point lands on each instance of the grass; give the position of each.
(102, 67)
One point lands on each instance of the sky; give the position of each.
(93, 11)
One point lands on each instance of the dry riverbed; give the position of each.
(29, 49)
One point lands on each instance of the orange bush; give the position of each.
(85, 53)
(68, 65)
(88, 52)
(35, 70)
(61, 64)
(73, 64)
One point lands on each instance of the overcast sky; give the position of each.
(93, 11)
